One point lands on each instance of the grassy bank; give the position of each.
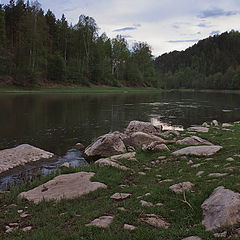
(77, 90)
(66, 219)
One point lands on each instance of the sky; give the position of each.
(166, 25)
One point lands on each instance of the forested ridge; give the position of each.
(37, 48)
(212, 63)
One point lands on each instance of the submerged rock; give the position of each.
(20, 155)
(194, 140)
(198, 150)
(106, 145)
(145, 127)
(66, 186)
(221, 209)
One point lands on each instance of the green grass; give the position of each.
(66, 219)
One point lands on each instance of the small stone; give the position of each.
(80, 145)
(230, 159)
(190, 162)
(129, 227)
(192, 238)
(123, 186)
(65, 165)
(199, 129)
(162, 157)
(147, 168)
(217, 174)
(120, 196)
(122, 209)
(183, 158)
(205, 124)
(27, 229)
(146, 204)
(165, 181)
(196, 165)
(209, 159)
(158, 175)
(24, 215)
(146, 194)
(199, 173)
(103, 222)
(20, 211)
(9, 229)
(142, 173)
(181, 187)
(154, 220)
(214, 123)
(159, 204)
(227, 125)
(13, 224)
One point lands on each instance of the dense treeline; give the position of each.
(36, 48)
(212, 63)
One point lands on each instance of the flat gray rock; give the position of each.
(198, 150)
(120, 196)
(103, 222)
(155, 146)
(66, 186)
(198, 129)
(194, 140)
(221, 209)
(20, 155)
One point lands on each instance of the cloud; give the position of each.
(175, 26)
(126, 36)
(216, 12)
(203, 25)
(125, 29)
(215, 32)
(183, 41)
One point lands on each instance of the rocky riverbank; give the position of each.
(146, 184)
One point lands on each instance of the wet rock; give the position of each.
(198, 129)
(155, 146)
(145, 127)
(221, 209)
(194, 140)
(154, 220)
(103, 222)
(198, 150)
(20, 155)
(67, 186)
(182, 187)
(106, 145)
(192, 238)
(138, 139)
(120, 196)
(129, 227)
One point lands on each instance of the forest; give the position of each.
(212, 63)
(36, 49)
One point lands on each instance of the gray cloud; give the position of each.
(215, 32)
(183, 41)
(203, 25)
(125, 29)
(175, 26)
(217, 12)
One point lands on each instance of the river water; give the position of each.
(56, 122)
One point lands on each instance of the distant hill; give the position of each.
(212, 63)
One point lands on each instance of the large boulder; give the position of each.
(198, 150)
(138, 139)
(221, 209)
(106, 145)
(20, 155)
(193, 140)
(67, 186)
(146, 127)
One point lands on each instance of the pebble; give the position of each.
(129, 227)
